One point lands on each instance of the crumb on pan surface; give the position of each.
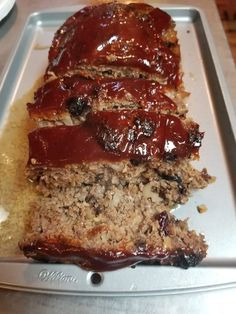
(202, 208)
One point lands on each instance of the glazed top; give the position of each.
(54, 98)
(128, 35)
(115, 136)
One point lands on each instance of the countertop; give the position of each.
(220, 301)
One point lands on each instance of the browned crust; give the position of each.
(100, 260)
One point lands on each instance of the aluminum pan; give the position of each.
(210, 105)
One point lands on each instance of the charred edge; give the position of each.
(78, 105)
(185, 260)
(195, 138)
(182, 259)
(147, 127)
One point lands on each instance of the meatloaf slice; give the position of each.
(159, 185)
(117, 40)
(116, 136)
(68, 100)
(104, 210)
(139, 134)
(100, 176)
(60, 230)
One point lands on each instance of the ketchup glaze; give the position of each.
(57, 250)
(145, 135)
(53, 99)
(116, 34)
(115, 136)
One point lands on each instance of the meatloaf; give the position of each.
(67, 100)
(117, 40)
(111, 156)
(107, 211)
(109, 240)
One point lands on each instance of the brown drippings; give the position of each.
(15, 192)
(41, 47)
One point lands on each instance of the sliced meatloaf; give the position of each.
(159, 185)
(83, 163)
(115, 156)
(115, 136)
(68, 100)
(104, 211)
(63, 230)
(117, 40)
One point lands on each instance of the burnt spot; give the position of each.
(169, 177)
(137, 122)
(163, 220)
(110, 139)
(116, 107)
(167, 156)
(147, 127)
(142, 76)
(131, 135)
(78, 105)
(195, 138)
(185, 259)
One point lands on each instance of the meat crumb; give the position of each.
(201, 208)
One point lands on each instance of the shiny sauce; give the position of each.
(53, 98)
(115, 35)
(149, 95)
(57, 250)
(114, 136)
(143, 135)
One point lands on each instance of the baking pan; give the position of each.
(210, 105)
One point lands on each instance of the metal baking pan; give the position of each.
(210, 105)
